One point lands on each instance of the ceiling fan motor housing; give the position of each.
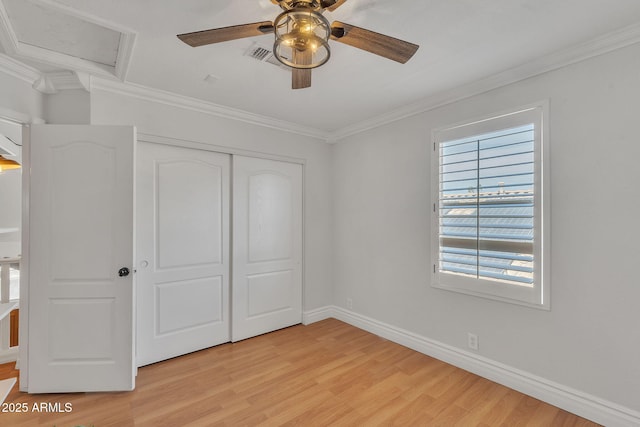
(302, 37)
(294, 4)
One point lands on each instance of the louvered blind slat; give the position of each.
(486, 206)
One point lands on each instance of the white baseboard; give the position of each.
(313, 316)
(585, 405)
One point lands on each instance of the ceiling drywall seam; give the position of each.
(609, 42)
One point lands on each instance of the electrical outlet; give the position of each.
(472, 341)
(349, 304)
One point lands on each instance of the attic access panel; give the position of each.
(54, 35)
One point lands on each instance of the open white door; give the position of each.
(80, 257)
(182, 250)
(267, 246)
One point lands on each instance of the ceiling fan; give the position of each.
(302, 34)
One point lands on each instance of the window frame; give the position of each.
(538, 294)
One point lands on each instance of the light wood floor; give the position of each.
(325, 374)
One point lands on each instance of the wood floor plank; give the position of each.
(484, 407)
(325, 413)
(324, 374)
(501, 409)
(523, 412)
(474, 395)
(412, 414)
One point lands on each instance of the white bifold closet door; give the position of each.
(186, 299)
(182, 226)
(267, 246)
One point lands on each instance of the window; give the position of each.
(489, 227)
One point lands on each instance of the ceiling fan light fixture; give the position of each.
(302, 38)
(7, 164)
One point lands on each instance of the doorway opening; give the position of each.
(10, 237)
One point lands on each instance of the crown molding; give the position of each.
(18, 70)
(604, 44)
(104, 80)
(50, 83)
(188, 103)
(125, 54)
(8, 37)
(47, 83)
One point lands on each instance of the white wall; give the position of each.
(590, 340)
(170, 121)
(69, 107)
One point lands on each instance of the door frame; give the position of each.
(222, 149)
(23, 120)
(12, 128)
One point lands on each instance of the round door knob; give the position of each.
(123, 272)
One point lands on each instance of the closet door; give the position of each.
(182, 251)
(267, 246)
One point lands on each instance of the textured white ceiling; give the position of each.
(461, 41)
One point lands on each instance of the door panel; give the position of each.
(173, 297)
(188, 212)
(182, 249)
(90, 339)
(267, 230)
(270, 217)
(270, 292)
(87, 231)
(80, 235)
